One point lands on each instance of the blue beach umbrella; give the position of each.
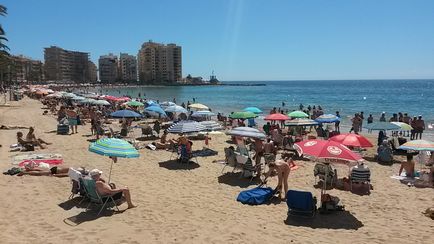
(382, 126)
(125, 114)
(186, 126)
(113, 147)
(151, 102)
(155, 109)
(176, 109)
(254, 110)
(327, 118)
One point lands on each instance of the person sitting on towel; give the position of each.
(30, 137)
(283, 168)
(105, 189)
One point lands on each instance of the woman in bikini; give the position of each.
(283, 168)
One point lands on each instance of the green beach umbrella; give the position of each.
(298, 114)
(113, 147)
(242, 115)
(135, 104)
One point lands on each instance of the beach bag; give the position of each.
(255, 196)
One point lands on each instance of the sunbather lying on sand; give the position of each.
(55, 171)
(104, 189)
(12, 127)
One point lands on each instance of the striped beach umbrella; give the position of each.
(186, 126)
(301, 122)
(211, 125)
(114, 148)
(246, 132)
(327, 118)
(418, 145)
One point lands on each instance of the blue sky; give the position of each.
(241, 40)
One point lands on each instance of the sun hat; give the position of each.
(94, 172)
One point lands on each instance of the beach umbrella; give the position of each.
(113, 147)
(125, 114)
(327, 118)
(418, 145)
(298, 114)
(211, 125)
(242, 115)
(276, 116)
(176, 109)
(155, 109)
(301, 122)
(329, 150)
(403, 126)
(78, 98)
(90, 95)
(203, 113)
(254, 110)
(246, 132)
(87, 101)
(100, 102)
(186, 126)
(167, 104)
(381, 126)
(121, 99)
(151, 102)
(353, 140)
(135, 104)
(68, 95)
(109, 98)
(198, 106)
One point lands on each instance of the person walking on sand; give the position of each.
(420, 127)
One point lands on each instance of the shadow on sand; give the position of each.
(337, 220)
(147, 138)
(233, 179)
(176, 165)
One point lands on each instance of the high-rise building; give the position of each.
(93, 72)
(108, 68)
(127, 68)
(24, 70)
(159, 63)
(66, 66)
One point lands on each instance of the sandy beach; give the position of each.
(191, 204)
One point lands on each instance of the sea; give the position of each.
(415, 97)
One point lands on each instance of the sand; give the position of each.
(194, 204)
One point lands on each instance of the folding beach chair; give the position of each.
(360, 174)
(230, 159)
(324, 172)
(93, 196)
(301, 203)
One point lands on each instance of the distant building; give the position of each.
(127, 68)
(24, 70)
(159, 63)
(93, 72)
(108, 68)
(66, 66)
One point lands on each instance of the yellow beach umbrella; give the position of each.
(198, 106)
(403, 126)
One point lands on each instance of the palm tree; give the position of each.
(3, 47)
(4, 54)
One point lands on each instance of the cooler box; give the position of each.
(62, 129)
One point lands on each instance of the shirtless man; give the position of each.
(30, 137)
(104, 189)
(408, 166)
(283, 168)
(53, 171)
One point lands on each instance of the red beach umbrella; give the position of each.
(331, 151)
(352, 140)
(276, 116)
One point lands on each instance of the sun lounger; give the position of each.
(93, 196)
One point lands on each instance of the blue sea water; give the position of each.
(414, 97)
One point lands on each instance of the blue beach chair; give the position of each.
(300, 203)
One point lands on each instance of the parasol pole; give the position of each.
(110, 174)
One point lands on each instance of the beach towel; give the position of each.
(37, 162)
(255, 196)
(28, 156)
